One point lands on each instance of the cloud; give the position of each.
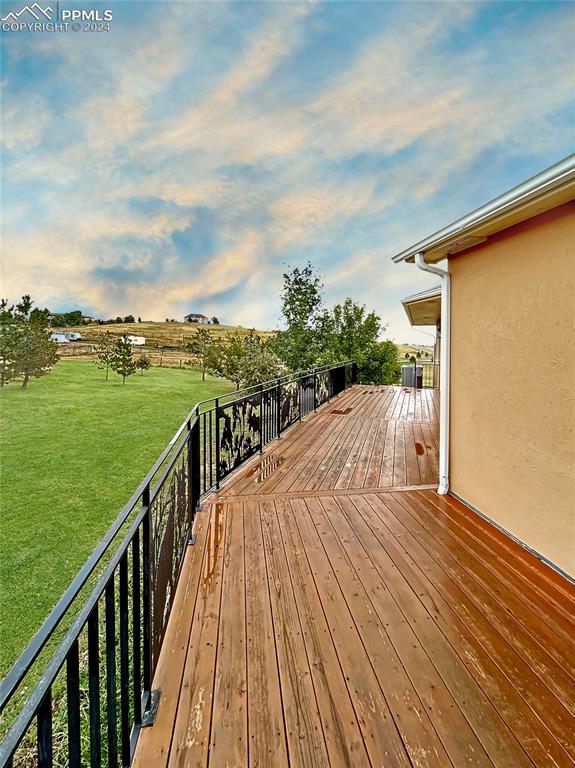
(24, 123)
(218, 141)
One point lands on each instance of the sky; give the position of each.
(180, 161)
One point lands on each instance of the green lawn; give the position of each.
(74, 448)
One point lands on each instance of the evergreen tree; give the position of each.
(26, 349)
(36, 353)
(11, 336)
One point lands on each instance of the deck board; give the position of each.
(335, 611)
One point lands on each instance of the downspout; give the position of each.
(444, 369)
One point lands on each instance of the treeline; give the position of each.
(314, 335)
(318, 335)
(75, 317)
(26, 350)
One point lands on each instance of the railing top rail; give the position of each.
(285, 379)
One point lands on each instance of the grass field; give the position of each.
(74, 448)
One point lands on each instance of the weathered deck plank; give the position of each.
(334, 612)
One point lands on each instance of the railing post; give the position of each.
(300, 396)
(194, 459)
(279, 412)
(217, 414)
(261, 418)
(314, 390)
(147, 592)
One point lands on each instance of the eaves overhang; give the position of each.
(549, 189)
(423, 308)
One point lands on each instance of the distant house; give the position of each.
(195, 317)
(59, 338)
(136, 341)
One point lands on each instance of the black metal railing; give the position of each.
(82, 689)
(421, 374)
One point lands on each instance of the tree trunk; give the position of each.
(203, 374)
(107, 366)
(25, 380)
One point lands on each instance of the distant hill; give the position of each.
(168, 334)
(175, 334)
(413, 349)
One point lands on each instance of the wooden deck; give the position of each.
(327, 618)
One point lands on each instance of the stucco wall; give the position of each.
(512, 438)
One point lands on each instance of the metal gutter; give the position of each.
(429, 293)
(543, 183)
(444, 369)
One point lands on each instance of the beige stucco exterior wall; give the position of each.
(512, 439)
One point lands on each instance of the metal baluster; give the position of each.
(44, 724)
(124, 662)
(111, 675)
(94, 689)
(73, 704)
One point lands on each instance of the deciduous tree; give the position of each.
(314, 335)
(302, 343)
(105, 351)
(200, 347)
(123, 359)
(244, 359)
(143, 363)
